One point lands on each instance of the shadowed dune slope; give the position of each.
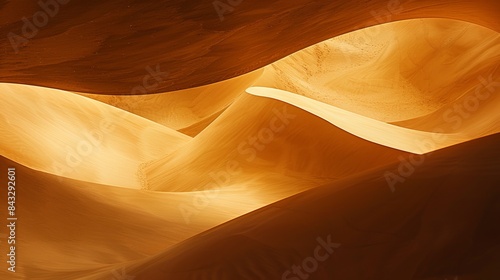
(392, 136)
(76, 137)
(110, 183)
(105, 46)
(69, 228)
(198, 127)
(412, 233)
(382, 72)
(259, 142)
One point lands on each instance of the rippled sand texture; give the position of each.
(256, 148)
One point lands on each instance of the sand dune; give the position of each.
(282, 159)
(389, 74)
(75, 137)
(78, 227)
(401, 235)
(189, 110)
(408, 140)
(475, 113)
(259, 142)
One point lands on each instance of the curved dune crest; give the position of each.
(189, 110)
(306, 150)
(413, 141)
(387, 73)
(259, 142)
(72, 136)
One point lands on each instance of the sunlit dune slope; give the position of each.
(189, 110)
(385, 82)
(476, 113)
(70, 228)
(389, 77)
(441, 222)
(409, 140)
(395, 71)
(283, 156)
(76, 137)
(107, 47)
(258, 142)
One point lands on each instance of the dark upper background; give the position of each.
(104, 46)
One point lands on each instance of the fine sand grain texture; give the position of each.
(162, 140)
